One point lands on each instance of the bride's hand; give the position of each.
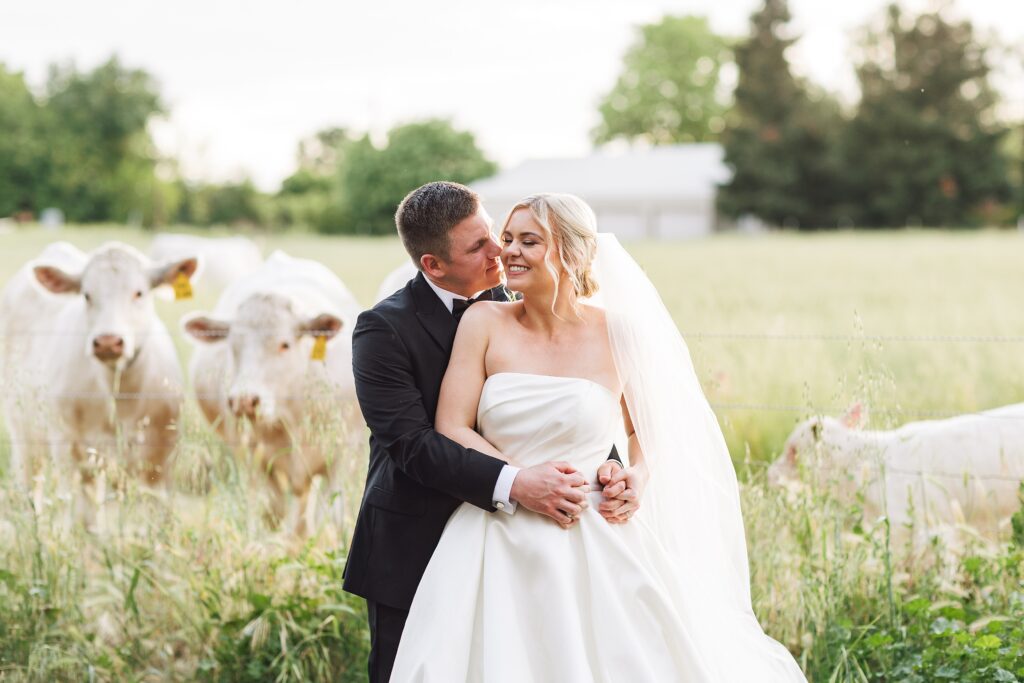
(623, 492)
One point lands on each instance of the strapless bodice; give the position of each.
(537, 418)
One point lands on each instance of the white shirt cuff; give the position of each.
(503, 489)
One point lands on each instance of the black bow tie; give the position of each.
(459, 306)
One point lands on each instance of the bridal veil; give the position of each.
(692, 501)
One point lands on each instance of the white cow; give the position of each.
(965, 469)
(254, 368)
(87, 364)
(224, 259)
(395, 280)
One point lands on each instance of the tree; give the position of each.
(234, 203)
(373, 181)
(1020, 171)
(324, 153)
(668, 90)
(102, 157)
(924, 146)
(22, 146)
(230, 203)
(781, 135)
(1013, 151)
(312, 195)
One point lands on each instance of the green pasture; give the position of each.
(192, 584)
(736, 298)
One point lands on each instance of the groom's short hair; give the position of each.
(427, 215)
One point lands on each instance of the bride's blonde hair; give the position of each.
(572, 226)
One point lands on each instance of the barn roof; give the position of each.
(669, 172)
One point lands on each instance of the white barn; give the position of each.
(665, 192)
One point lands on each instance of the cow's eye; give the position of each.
(138, 294)
(88, 299)
(285, 346)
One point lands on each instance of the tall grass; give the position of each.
(193, 584)
(180, 584)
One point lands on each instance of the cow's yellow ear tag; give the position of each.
(319, 348)
(182, 287)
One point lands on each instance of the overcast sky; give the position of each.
(245, 81)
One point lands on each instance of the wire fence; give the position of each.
(698, 335)
(884, 338)
(94, 443)
(926, 473)
(805, 409)
(808, 409)
(98, 445)
(796, 409)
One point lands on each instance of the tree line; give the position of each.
(83, 145)
(925, 144)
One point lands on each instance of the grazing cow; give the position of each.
(255, 366)
(961, 470)
(87, 364)
(395, 280)
(224, 259)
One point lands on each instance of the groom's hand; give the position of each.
(554, 489)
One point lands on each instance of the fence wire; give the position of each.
(887, 338)
(97, 446)
(809, 410)
(696, 335)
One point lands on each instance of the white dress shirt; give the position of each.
(503, 487)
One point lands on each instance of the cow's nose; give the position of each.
(244, 405)
(108, 346)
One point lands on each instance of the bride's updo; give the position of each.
(572, 226)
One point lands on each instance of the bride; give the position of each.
(664, 597)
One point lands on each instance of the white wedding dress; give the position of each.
(516, 598)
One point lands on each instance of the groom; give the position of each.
(417, 477)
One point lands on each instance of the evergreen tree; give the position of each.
(781, 136)
(924, 146)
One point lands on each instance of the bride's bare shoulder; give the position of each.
(493, 310)
(484, 316)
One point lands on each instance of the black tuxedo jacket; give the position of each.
(417, 477)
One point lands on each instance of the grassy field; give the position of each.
(192, 585)
(855, 285)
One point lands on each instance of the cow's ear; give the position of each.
(56, 280)
(205, 329)
(855, 417)
(167, 273)
(323, 325)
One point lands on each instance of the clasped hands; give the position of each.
(559, 491)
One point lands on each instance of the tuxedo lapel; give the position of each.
(433, 314)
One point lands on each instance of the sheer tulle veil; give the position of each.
(692, 500)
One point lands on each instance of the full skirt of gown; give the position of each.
(516, 598)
